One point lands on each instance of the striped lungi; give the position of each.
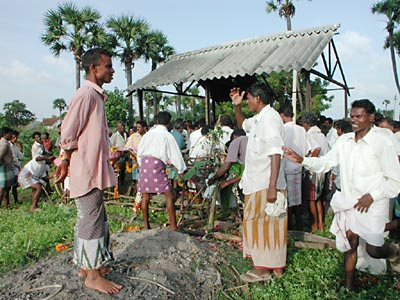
(152, 176)
(313, 185)
(92, 236)
(6, 176)
(293, 185)
(264, 237)
(26, 179)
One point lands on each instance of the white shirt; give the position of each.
(37, 149)
(388, 133)
(194, 136)
(265, 132)
(37, 168)
(226, 134)
(159, 143)
(332, 136)
(367, 166)
(201, 149)
(317, 140)
(118, 140)
(295, 137)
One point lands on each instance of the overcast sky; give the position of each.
(31, 74)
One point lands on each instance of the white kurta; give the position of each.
(367, 166)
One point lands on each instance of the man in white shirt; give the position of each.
(295, 137)
(331, 136)
(370, 175)
(264, 236)
(196, 134)
(156, 149)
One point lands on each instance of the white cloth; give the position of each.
(295, 137)
(118, 140)
(331, 136)
(317, 140)
(37, 149)
(226, 134)
(278, 208)
(194, 136)
(367, 166)
(201, 149)
(161, 144)
(265, 132)
(386, 132)
(37, 168)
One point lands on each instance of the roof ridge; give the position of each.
(267, 37)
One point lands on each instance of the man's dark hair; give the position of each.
(225, 120)
(310, 118)
(163, 118)
(329, 120)
(15, 133)
(366, 104)
(5, 130)
(36, 133)
(263, 91)
(46, 134)
(286, 109)
(344, 125)
(201, 122)
(205, 129)
(92, 57)
(142, 123)
(238, 132)
(178, 123)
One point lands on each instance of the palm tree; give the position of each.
(127, 36)
(156, 49)
(59, 104)
(286, 10)
(69, 28)
(391, 9)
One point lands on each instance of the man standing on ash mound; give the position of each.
(84, 138)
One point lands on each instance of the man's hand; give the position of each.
(236, 96)
(61, 172)
(364, 203)
(271, 195)
(292, 155)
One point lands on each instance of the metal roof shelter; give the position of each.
(220, 67)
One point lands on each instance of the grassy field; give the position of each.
(25, 238)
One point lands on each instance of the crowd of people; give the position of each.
(285, 172)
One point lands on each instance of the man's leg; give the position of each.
(91, 248)
(36, 190)
(171, 210)
(350, 260)
(314, 214)
(15, 193)
(145, 210)
(320, 211)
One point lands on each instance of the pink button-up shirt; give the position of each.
(84, 130)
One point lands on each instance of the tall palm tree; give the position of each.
(156, 49)
(69, 28)
(127, 35)
(286, 10)
(391, 9)
(59, 104)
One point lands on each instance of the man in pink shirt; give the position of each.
(84, 138)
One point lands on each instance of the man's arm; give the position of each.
(275, 164)
(237, 98)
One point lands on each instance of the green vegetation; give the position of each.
(25, 238)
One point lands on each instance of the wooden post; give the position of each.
(140, 100)
(308, 92)
(207, 105)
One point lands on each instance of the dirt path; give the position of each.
(153, 264)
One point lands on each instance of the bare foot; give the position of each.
(35, 209)
(102, 285)
(103, 271)
(278, 273)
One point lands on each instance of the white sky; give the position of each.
(31, 74)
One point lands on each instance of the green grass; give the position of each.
(25, 238)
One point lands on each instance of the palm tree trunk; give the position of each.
(128, 73)
(393, 57)
(77, 74)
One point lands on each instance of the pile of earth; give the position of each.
(152, 264)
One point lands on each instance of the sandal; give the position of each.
(251, 277)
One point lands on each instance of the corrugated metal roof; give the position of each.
(278, 52)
